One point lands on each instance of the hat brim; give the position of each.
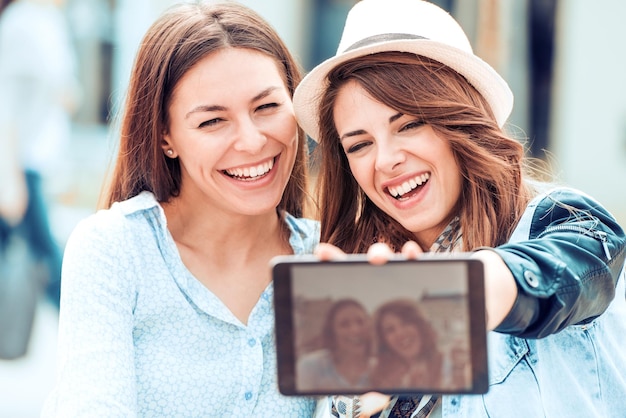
(477, 72)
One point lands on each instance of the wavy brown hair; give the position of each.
(493, 194)
(182, 36)
(388, 359)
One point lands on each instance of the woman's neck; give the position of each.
(221, 233)
(229, 255)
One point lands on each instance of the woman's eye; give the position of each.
(210, 122)
(356, 147)
(267, 106)
(412, 125)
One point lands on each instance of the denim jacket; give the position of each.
(561, 351)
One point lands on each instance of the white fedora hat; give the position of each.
(415, 26)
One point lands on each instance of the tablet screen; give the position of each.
(350, 327)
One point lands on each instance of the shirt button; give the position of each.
(248, 396)
(251, 342)
(531, 279)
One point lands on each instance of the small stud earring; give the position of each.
(169, 152)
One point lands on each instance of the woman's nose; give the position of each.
(388, 156)
(249, 138)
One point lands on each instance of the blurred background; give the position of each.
(564, 61)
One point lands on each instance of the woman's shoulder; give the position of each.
(305, 233)
(553, 202)
(563, 208)
(302, 225)
(551, 194)
(122, 219)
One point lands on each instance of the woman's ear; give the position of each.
(167, 147)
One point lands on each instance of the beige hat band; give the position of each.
(382, 37)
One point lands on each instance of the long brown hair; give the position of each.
(493, 193)
(180, 38)
(407, 312)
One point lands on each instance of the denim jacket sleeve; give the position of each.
(566, 267)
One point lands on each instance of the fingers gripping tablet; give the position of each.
(407, 326)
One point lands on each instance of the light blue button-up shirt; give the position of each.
(140, 336)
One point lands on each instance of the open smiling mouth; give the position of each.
(407, 343)
(250, 173)
(409, 187)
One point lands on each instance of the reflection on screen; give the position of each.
(401, 327)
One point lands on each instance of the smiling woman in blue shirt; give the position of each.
(166, 306)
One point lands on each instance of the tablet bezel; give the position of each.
(285, 334)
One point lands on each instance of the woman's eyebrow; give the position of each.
(392, 119)
(352, 133)
(395, 117)
(218, 108)
(204, 108)
(264, 93)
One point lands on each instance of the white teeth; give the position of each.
(251, 172)
(407, 186)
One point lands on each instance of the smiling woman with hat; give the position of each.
(414, 158)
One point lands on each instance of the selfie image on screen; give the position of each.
(366, 331)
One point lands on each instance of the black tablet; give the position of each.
(405, 327)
